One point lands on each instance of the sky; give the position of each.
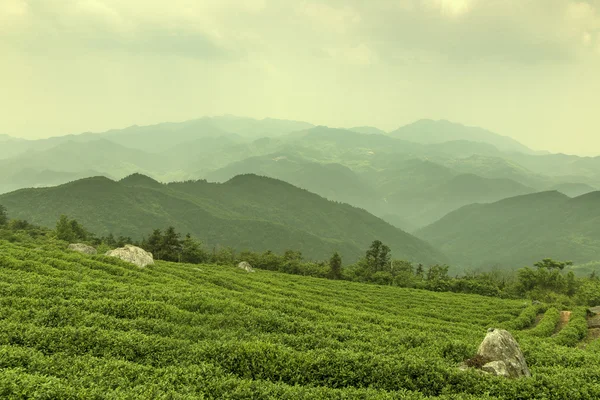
(529, 69)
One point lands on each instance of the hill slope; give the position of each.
(247, 212)
(521, 230)
(82, 327)
(429, 131)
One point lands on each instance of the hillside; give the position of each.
(247, 212)
(518, 231)
(82, 327)
(428, 131)
(573, 189)
(73, 158)
(332, 181)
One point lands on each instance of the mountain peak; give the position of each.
(137, 179)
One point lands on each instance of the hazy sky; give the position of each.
(529, 69)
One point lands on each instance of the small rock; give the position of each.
(245, 266)
(82, 248)
(504, 353)
(132, 254)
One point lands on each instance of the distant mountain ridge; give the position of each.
(520, 230)
(412, 177)
(246, 212)
(428, 131)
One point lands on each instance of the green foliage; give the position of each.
(171, 245)
(575, 330)
(588, 293)
(551, 264)
(246, 213)
(525, 319)
(192, 251)
(547, 283)
(64, 230)
(3, 215)
(378, 257)
(70, 230)
(335, 266)
(437, 278)
(547, 324)
(525, 229)
(75, 326)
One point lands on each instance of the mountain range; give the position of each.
(416, 177)
(519, 231)
(247, 212)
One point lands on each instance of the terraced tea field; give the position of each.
(79, 327)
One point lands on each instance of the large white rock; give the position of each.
(503, 355)
(245, 266)
(132, 254)
(82, 248)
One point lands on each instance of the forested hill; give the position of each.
(247, 213)
(517, 231)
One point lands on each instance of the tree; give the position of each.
(64, 229)
(546, 279)
(551, 264)
(437, 278)
(378, 257)
(3, 215)
(110, 240)
(335, 266)
(171, 245)
(402, 272)
(192, 251)
(292, 255)
(420, 272)
(154, 244)
(78, 231)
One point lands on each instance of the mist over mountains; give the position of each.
(414, 178)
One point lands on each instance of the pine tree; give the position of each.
(192, 252)
(171, 245)
(335, 266)
(155, 244)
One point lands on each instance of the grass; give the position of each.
(73, 326)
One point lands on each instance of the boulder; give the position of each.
(132, 254)
(82, 248)
(594, 310)
(503, 355)
(245, 266)
(594, 322)
(497, 368)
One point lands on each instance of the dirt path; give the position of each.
(565, 316)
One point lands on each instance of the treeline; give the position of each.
(546, 281)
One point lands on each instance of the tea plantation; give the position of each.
(93, 327)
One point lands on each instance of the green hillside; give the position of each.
(332, 181)
(429, 131)
(74, 159)
(407, 193)
(80, 327)
(517, 231)
(247, 212)
(573, 189)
